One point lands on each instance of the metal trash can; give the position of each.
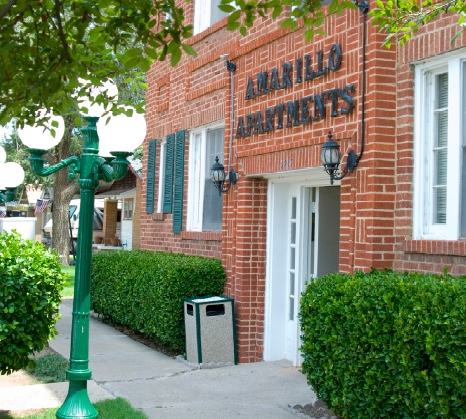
(210, 330)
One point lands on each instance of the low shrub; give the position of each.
(145, 290)
(387, 345)
(30, 285)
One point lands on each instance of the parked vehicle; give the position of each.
(73, 211)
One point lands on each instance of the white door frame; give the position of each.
(275, 310)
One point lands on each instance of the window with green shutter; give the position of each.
(179, 183)
(150, 176)
(204, 212)
(168, 182)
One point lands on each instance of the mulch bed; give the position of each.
(317, 412)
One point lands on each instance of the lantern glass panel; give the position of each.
(330, 156)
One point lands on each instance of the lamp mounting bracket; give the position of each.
(362, 5)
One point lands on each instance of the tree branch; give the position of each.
(60, 29)
(7, 8)
(20, 15)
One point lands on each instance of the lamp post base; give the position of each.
(77, 403)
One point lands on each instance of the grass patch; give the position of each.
(49, 368)
(108, 409)
(68, 271)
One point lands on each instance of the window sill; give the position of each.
(208, 31)
(202, 235)
(436, 247)
(157, 216)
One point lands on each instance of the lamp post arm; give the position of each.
(113, 170)
(103, 169)
(37, 161)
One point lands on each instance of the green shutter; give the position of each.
(168, 184)
(179, 177)
(150, 176)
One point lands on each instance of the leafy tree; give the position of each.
(48, 45)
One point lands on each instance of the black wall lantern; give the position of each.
(330, 155)
(218, 176)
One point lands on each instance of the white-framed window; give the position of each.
(163, 149)
(128, 208)
(206, 13)
(204, 202)
(439, 206)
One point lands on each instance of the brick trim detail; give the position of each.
(435, 247)
(202, 235)
(283, 160)
(205, 90)
(163, 103)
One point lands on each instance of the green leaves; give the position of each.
(30, 285)
(145, 290)
(387, 345)
(43, 54)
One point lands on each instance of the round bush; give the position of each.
(387, 345)
(30, 285)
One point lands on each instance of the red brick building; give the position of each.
(282, 222)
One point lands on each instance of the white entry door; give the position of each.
(303, 237)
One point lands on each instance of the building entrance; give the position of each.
(303, 243)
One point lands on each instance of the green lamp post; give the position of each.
(122, 134)
(11, 176)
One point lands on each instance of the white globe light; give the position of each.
(108, 88)
(122, 133)
(41, 137)
(12, 175)
(2, 155)
(104, 151)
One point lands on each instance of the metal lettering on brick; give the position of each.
(333, 102)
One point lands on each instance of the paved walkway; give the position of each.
(165, 388)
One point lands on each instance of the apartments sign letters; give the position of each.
(298, 112)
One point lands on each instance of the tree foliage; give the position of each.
(48, 45)
(401, 19)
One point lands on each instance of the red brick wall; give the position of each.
(376, 199)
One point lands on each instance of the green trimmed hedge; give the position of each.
(387, 345)
(30, 285)
(145, 290)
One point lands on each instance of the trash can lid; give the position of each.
(209, 299)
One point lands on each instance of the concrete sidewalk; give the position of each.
(167, 389)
